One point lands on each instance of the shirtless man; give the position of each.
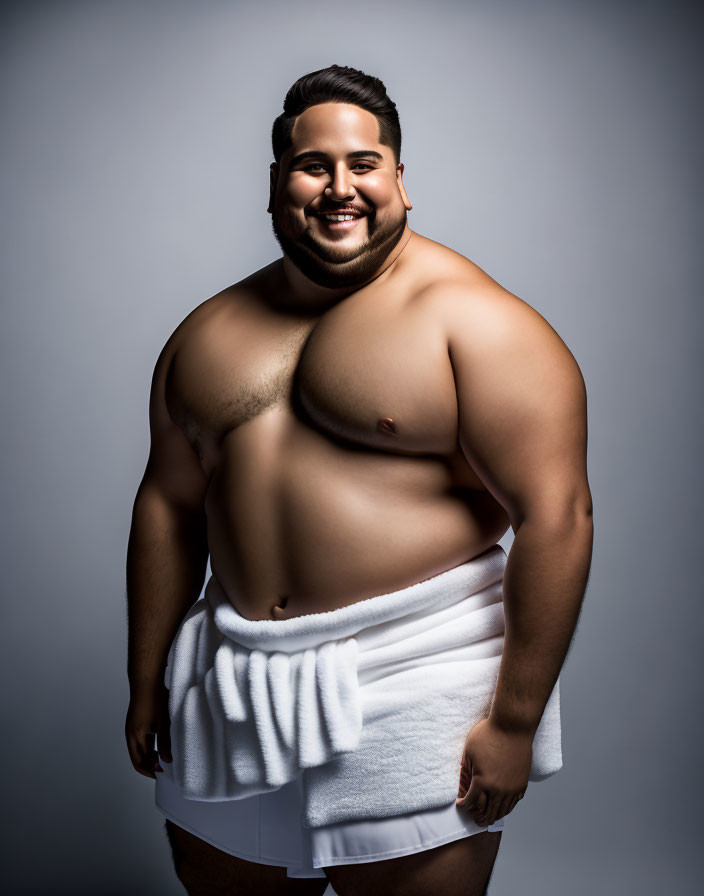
(365, 412)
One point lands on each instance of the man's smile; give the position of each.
(338, 222)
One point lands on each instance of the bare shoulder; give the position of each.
(209, 321)
(202, 319)
(522, 402)
(484, 320)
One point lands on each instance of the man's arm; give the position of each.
(167, 556)
(523, 428)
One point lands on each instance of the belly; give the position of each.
(299, 524)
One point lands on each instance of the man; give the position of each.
(354, 424)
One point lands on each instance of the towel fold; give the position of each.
(371, 702)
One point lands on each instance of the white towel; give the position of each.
(371, 702)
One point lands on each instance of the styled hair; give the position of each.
(338, 84)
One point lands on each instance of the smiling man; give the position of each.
(339, 242)
(366, 685)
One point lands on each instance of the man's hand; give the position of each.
(147, 716)
(494, 772)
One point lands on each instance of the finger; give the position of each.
(513, 803)
(465, 778)
(164, 743)
(150, 763)
(470, 792)
(145, 758)
(504, 808)
(475, 800)
(488, 816)
(136, 749)
(138, 761)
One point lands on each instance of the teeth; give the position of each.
(340, 217)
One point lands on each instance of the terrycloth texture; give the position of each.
(371, 702)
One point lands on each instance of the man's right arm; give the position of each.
(167, 556)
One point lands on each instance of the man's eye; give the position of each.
(317, 165)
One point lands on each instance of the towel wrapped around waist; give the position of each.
(371, 702)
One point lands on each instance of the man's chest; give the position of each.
(372, 373)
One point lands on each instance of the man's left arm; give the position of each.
(523, 427)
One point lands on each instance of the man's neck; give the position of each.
(303, 293)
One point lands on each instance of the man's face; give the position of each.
(348, 169)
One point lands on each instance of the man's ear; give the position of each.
(401, 188)
(273, 177)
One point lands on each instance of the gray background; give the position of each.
(552, 143)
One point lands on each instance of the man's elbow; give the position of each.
(583, 507)
(573, 513)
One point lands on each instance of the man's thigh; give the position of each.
(460, 868)
(206, 871)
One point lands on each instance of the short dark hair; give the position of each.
(338, 84)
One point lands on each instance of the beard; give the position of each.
(332, 263)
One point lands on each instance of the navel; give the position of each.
(277, 611)
(387, 426)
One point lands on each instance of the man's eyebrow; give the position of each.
(317, 154)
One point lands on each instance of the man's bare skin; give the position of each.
(328, 443)
(310, 505)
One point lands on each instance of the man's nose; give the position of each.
(341, 186)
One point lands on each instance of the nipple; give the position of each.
(387, 426)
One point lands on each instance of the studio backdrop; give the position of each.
(555, 144)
